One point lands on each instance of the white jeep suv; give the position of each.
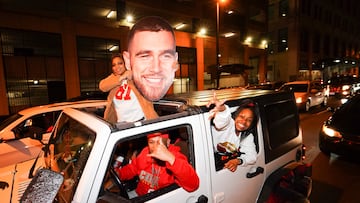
(17, 131)
(79, 158)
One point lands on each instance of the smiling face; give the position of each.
(118, 66)
(152, 57)
(244, 120)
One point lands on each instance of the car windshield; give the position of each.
(295, 87)
(9, 120)
(70, 147)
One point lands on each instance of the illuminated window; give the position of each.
(283, 40)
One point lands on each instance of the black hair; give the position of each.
(247, 104)
(115, 55)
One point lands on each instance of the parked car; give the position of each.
(83, 148)
(344, 86)
(307, 93)
(17, 131)
(340, 134)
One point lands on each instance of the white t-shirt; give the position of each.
(126, 105)
(225, 133)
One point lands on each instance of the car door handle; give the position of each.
(258, 171)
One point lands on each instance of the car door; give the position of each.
(135, 139)
(244, 184)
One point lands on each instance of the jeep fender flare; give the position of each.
(274, 178)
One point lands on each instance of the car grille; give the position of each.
(22, 187)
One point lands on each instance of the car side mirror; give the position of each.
(43, 187)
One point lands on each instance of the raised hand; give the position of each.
(127, 75)
(159, 151)
(219, 105)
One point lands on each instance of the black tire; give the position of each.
(283, 194)
(323, 149)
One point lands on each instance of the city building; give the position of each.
(313, 39)
(55, 50)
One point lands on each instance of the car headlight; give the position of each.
(299, 100)
(345, 87)
(344, 100)
(331, 132)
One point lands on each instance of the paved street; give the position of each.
(335, 179)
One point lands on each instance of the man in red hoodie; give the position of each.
(158, 165)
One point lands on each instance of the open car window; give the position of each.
(128, 149)
(222, 157)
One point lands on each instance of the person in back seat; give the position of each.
(233, 137)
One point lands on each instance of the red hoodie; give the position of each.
(152, 176)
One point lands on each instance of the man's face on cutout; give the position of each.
(152, 57)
